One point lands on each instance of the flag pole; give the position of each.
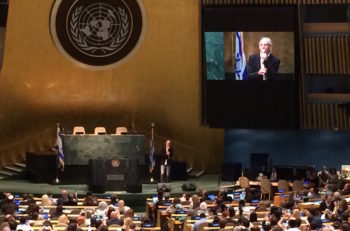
(57, 158)
(151, 154)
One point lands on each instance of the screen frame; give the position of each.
(219, 18)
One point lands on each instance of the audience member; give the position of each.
(202, 220)
(46, 201)
(90, 200)
(323, 176)
(115, 219)
(122, 207)
(23, 225)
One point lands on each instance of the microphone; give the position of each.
(263, 57)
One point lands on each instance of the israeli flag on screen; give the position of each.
(241, 70)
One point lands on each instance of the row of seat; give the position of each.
(79, 130)
(266, 185)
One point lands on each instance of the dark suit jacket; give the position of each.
(165, 157)
(271, 64)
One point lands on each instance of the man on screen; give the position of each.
(263, 66)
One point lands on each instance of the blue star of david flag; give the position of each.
(241, 70)
(59, 148)
(152, 160)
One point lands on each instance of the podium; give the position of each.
(113, 174)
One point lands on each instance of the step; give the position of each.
(14, 169)
(21, 165)
(7, 173)
(196, 174)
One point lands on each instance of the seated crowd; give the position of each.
(63, 213)
(329, 212)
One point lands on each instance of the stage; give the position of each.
(136, 200)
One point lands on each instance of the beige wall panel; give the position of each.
(160, 83)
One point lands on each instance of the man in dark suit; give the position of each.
(165, 164)
(263, 66)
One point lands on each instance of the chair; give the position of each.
(100, 131)
(283, 185)
(243, 182)
(78, 130)
(120, 130)
(298, 185)
(265, 187)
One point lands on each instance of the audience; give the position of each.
(333, 208)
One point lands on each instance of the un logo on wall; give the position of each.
(97, 34)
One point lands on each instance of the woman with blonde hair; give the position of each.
(127, 223)
(296, 214)
(45, 200)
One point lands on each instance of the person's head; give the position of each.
(216, 219)
(345, 227)
(337, 196)
(222, 224)
(191, 212)
(265, 45)
(253, 217)
(324, 168)
(296, 214)
(129, 213)
(72, 226)
(115, 214)
(166, 196)
(22, 220)
(168, 143)
(347, 186)
(63, 219)
(64, 194)
(102, 205)
(292, 223)
(121, 204)
(266, 225)
(195, 199)
(114, 199)
(203, 206)
(109, 211)
(80, 220)
(45, 200)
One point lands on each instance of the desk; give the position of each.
(78, 149)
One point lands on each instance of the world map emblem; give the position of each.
(97, 34)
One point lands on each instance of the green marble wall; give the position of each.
(214, 49)
(79, 149)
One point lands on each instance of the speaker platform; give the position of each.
(137, 188)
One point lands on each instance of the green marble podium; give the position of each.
(78, 149)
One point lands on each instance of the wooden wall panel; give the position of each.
(160, 83)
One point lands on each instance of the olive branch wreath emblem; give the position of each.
(117, 41)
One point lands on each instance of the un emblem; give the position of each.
(97, 34)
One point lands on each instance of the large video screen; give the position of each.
(250, 67)
(249, 55)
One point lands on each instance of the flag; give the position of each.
(152, 160)
(240, 69)
(59, 148)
